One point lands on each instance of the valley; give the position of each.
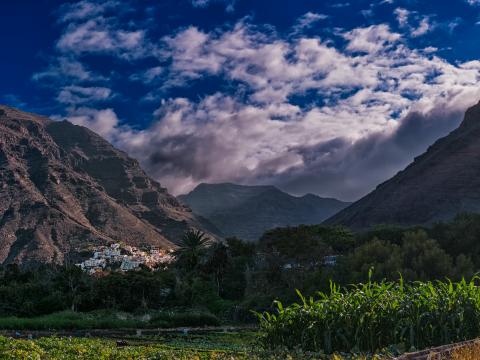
(239, 180)
(189, 272)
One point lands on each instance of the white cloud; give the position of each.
(97, 36)
(340, 5)
(74, 95)
(229, 4)
(424, 27)
(430, 49)
(273, 68)
(103, 122)
(307, 20)
(148, 76)
(65, 69)
(402, 16)
(359, 99)
(423, 24)
(100, 28)
(371, 39)
(85, 9)
(374, 82)
(452, 25)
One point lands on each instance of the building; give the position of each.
(330, 260)
(125, 258)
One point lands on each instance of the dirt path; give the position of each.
(120, 333)
(438, 353)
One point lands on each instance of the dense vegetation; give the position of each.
(291, 258)
(230, 279)
(198, 289)
(373, 316)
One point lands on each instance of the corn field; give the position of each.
(372, 316)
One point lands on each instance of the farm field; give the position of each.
(179, 346)
(212, 346)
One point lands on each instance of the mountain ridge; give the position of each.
(63, 187)
(248, 211)
(436, 186)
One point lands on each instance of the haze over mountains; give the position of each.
(438, 185)
(248, 211)
(62, 188)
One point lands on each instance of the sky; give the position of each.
(324, 97)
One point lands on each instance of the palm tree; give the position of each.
(193, 244)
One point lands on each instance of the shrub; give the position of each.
(67, 320)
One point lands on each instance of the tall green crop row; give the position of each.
(372, 316)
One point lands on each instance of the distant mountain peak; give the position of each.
(248, 211)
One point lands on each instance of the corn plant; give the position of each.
(374, 315)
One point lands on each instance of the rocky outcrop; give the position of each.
(438, 185)
(248, 211)
(64, 188)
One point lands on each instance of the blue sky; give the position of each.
(326, 97)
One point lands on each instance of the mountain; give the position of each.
(248, 211)
(63, 188)
(439, 184)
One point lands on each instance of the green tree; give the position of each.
(217, 263)
(72, 281)
(384, 257)
(191, 249)
(423, 258)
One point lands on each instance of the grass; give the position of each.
(373, 316)
(470, 352)
(212, 346)
(68, 320)
(95, 349)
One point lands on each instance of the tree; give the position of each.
(423, 258)
(384, 257)
(191, 249)
(217, 263)
(460, 236)
(71, 280)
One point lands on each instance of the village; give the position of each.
(118, 257)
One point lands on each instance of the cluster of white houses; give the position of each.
(125, 258)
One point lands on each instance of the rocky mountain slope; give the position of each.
(439, 184)
(62, 188)
(248, 211)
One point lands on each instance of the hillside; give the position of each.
(438, 185)
(63, 188)
(248, 211)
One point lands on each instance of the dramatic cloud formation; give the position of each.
(333, 115)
